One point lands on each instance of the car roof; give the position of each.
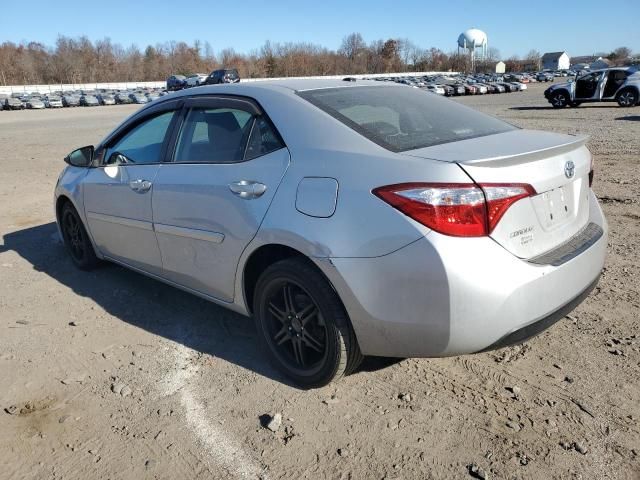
(293, 85)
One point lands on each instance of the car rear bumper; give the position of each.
(442, 296)
(525, 333)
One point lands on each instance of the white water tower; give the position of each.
(474, 43)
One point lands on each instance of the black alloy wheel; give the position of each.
(302, 324)
(559, 99)
(627, 98)
(76, 239)
(296, 326)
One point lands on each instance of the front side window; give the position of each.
(224, 135)
(403, 118)
(143, 143)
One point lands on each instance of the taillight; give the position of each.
(501, 196)
(456, 209)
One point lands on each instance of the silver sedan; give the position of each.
(348, 218)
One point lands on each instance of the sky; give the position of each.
(513, 26)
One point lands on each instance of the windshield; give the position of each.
(403, 118)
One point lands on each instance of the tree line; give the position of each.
(79, 60)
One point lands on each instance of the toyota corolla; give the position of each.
(348, 218)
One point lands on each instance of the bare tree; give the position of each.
(353, 49)
(619, 55)
(78, 60)
(533, 59)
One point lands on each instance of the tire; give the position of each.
(627, 98)
(302, 324)
(76, 239)
(559, 99)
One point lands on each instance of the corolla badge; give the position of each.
(569, 169)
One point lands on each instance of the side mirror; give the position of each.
(82, 157)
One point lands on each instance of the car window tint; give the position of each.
(403, 118)
(263, 139)
(143, 144)
(213, 135)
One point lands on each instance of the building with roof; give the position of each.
(500, 67)
(555, 61)
(600, 63)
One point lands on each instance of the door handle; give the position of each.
(247, 188)
(140, 185)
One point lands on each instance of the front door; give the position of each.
(209, 201)
(117, 194)
(587, 86)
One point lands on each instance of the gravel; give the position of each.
(458, 406)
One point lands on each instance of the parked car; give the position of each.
(620, 85)
(509, 87)
(449, 91)
(123, 98)
(437, 89)
(222, 76)
(70, 100)
(470, 89)
(89, 101)
(35, 103)
(53, 101)
(151, 96)
(13, 103)
(106, 99)
(176, 82)
(453, 232)
(545, 77)
(195, 79)
(460, 89)
(138, 97)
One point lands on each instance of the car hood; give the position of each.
(565, 85)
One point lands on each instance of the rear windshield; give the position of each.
(403, 118)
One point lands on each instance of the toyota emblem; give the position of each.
(569, 169)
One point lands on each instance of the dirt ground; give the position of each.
(111, 375)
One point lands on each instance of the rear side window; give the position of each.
(403, 118)
(213, 136)
(224, 135)
(263, 139)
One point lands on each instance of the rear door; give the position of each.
(210, 199)
(612, 83)
(117, 194)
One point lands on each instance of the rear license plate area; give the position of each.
(557, 206)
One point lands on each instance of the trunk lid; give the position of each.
(557, 166)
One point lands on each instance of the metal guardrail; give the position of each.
(9, 89)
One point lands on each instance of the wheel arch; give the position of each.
(260, 259)
(61, 201)
(626, 88)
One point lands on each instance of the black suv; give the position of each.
(176, 82)
(222, 76)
